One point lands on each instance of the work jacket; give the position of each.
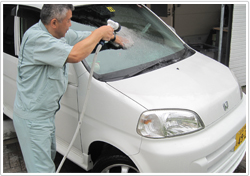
(42, 71)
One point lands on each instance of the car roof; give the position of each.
(39, 6)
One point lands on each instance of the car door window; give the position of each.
(8, 29)
(28, 17)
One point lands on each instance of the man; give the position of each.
(42, 80)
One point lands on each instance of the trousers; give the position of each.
(38, 143)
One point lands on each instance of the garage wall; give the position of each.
(238, 43)
(193, 22)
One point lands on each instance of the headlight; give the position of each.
(168, 123)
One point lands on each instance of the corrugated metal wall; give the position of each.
(238, 43)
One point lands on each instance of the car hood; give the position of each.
(197, 83)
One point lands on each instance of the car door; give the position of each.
(10, 57)
(17, 19)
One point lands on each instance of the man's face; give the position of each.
(63, 27)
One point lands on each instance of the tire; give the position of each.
(115, 164)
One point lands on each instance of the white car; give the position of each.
(157, 106)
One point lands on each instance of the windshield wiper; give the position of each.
(162, 62)
(187, 52)
(143, 68)
(149, 67)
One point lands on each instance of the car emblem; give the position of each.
(225, 106)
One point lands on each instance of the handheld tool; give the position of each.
(116, 26)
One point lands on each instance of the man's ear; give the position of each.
(53, 23)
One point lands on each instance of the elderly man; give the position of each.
(42, 80)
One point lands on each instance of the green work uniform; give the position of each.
(41, 82)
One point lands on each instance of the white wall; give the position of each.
(238, 43)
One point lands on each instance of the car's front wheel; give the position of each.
(115, 164)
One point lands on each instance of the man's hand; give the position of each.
(123, 42)
(107, 32)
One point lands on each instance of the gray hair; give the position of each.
(58, 11)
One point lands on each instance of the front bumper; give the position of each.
(206, 151)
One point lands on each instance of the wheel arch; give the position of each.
(99, 148)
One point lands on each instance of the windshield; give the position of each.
(149, 43)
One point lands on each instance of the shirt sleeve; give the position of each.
(49, 50)
(73, 37)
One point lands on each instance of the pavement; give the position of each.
(13, 160)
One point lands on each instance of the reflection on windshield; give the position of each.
(147, 39)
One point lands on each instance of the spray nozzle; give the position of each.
(116, 26)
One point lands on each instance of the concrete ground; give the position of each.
(13, 160)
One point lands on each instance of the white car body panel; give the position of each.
(101, 122)
(179, 86)
(9, 83)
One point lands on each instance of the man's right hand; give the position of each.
(107, 32)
